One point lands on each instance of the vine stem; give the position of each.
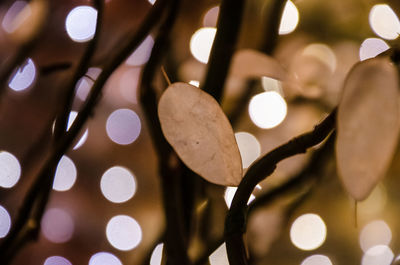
(235, 223)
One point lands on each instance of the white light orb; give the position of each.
(57, 225)
(375, 233)
(24, 76)
(123, 232)
(118, 184)
(65, 175)
(317, 260)
(152, 1)
(371, 47)
(194, 83)
(156, 255)
(142, 54)
(378, 255)
(249, 147)
(10, 170)
(81, 23)
(5, 222)
(267, 109)
(123, 126)
(104, 258)
(290, 18)
(384, 22)
(219, 256)
(201, 43)
(72, 116)
(230, 193)
(308, 232)
(56, 260)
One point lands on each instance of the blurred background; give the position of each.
(106, 208)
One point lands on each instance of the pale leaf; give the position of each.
(250, 63)
(196, 127)
(368, 125)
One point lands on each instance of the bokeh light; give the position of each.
(72, 116)
(81, 23)
(5, 222)
(230, 193)
(104, 258)
(219, 256)
(308, 232)
(194, 83)
(384, 22)
(249, 147)
(56, 260)
(57, 225)
(270, 84)
(371, 47)
(142, 54)
(152, 1)
(10, 23)
(65, 175)
(378, 255)
(156, 255)
(267, 109)
(10, 170)
(211, 17)
(123, 126)
(317, 260)
(24, 77)
(323, 53)
(290, 18)
(201, 43)
(118, 184)
(123, 232)
(85, 83)
(375, 233)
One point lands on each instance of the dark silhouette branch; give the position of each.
(235, 224)
(228, 28)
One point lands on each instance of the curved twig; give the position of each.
(235, 224)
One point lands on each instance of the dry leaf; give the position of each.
(368, 125)
(196, 127)
(250, 63)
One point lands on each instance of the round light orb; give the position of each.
(317, 260)
(5, 222)
(201, 43)
(249, 147)
(56, 260)
(118, 184)
(308, 232)
(123, 232)
(65, 175)
(211, 17)
(142, 54)
(371, 47)
(57, 225)
(156, 255)
(290, 18)
(267, 109)
(123, 126)
(72, 116)
(24, 76)
(378, 255)
(104, 258)
(81, 23)
(384, 22)
(10, 170)
(219, 256)
(375, 233)
(230, 193)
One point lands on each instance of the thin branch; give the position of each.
(228, 27)
(235, 223)
(169, 165)
(20, 56)
(69, 90)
